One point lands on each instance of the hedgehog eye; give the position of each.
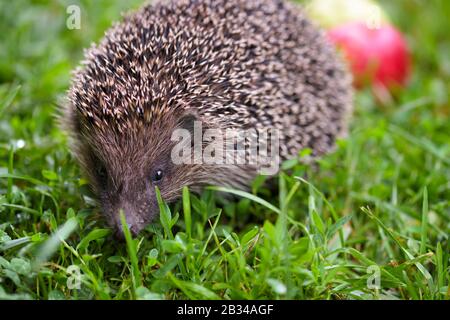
(101, 173)
(157, 176)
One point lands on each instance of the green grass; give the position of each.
(379, 205)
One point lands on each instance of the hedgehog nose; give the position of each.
(132, 224)
(133, 229)
(119, 234)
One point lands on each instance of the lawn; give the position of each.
(369, 221)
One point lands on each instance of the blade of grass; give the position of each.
(20, 177)
(423, 233)
(131, 248)
(7, 101)
(10, 171)
(14, 243)
(189, 287)
(50, 246)
(283, 228)
(22, 208)
(248, 196)
(165, 215)
(187, 211)
(440, 266)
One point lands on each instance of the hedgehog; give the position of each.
(226, 64)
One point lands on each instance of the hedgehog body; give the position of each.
(230, 64)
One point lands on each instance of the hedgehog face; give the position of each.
(126, 167)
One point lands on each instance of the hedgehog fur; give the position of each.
(227, 63)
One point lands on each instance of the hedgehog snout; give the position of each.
(137, 216)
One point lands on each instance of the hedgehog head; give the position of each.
(126, 160)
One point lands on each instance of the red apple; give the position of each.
(377, 56)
